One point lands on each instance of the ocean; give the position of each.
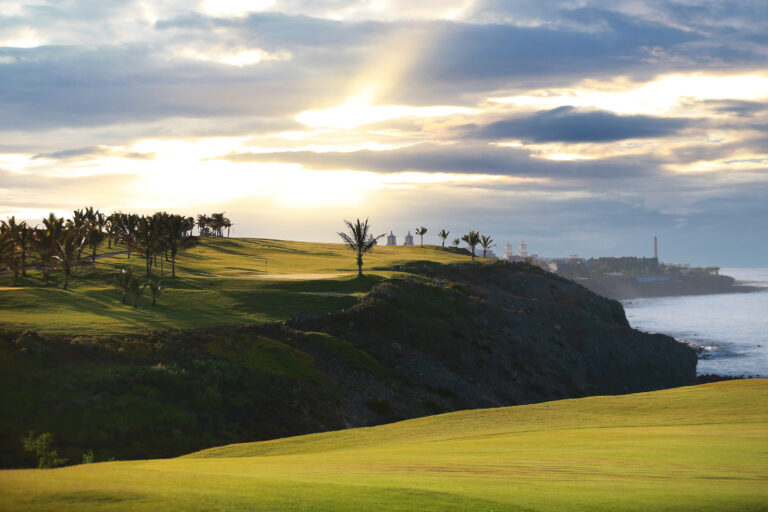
(730, 330)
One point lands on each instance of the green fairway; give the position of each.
(220, 281)
(697, 448)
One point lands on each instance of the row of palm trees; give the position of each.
(59, 243)
(359, 237)
(213, 225)
(472, 239)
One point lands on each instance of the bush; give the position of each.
(41, 447)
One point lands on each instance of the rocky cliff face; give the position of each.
(501, 335)
(454, 337)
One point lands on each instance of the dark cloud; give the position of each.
(739, 108)
(567, 124)
(73, 153)
(458, 158)
(87, 153)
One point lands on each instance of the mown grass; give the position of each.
(217, 284)
(692, 449)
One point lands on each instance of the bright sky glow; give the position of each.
(239, 58)
(351, 114)
(657, 97)
(235, 7)
(21, 38)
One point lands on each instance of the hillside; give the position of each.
(220, 281)
(430, 338)
(684, 449)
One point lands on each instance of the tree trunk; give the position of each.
(359, 266)
(154, 300)
(66, 277)
(124, 297)
(173, 264)
(484, 252)
(149, 265)
(24, 263)
(93, 256)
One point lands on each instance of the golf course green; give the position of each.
(220, 281)
(693, 448)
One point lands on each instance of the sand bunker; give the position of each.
(295, 277)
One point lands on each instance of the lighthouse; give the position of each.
(391, 239)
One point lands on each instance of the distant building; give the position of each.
(520, 256)
(490, 254)
(371, 239)
(523, 250)
(391, 239)
(509, 251)
(408, 239)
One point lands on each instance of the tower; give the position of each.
(391, 239)
(655, 247)
(509, 251)
(523, 251)
(408, 239)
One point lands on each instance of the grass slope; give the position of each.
(697, 448)
(217, 285)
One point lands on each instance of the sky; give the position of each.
(582, 127)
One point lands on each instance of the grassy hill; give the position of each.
(220, 282)
(694, 448)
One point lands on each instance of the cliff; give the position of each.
(453, 337)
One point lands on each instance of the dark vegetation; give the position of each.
(452, 337)
(59, 244)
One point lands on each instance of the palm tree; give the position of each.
(456, 242)
(444, 235)
(146, 239)
(472, 239)
(68, 249)
(176, 228)
(155, 289)
(217, 221)
(228, 225)
(9, 255)
(202, 224)
(123, 280)
(95, 230)
(360, 240)
(421, 231)
(79, 222)
(486, 242)
(135, 289)
(21, 236)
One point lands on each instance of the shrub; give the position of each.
(41, 447)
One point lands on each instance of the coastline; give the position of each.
(625, 288)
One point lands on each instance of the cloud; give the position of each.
(463, 158)
(91, 152)
(567, 124)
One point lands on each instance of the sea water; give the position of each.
(729, 330)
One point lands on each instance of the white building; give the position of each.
(408, 239)
(391, 239)
(509, 251)
(523, 251)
